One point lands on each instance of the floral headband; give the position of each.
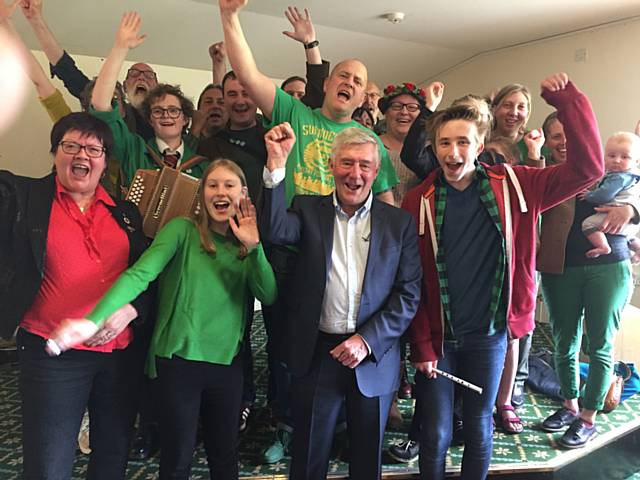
(407, 88)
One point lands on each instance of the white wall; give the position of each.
(24, 145)
(610, 76)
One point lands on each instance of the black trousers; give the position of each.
(55, 392)
(185, 388)
(318, 399)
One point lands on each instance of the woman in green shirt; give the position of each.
(207, 267)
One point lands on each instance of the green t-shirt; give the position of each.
(131, 150)
(201, 298)
(307, 171)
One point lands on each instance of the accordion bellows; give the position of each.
(161, 195)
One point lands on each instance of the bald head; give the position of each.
(344, 90)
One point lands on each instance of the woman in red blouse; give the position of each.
(64, 241)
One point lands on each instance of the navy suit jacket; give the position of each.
(390, 290)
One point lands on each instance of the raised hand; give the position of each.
(534, 140)
(217, 52)
(231, 6)
(555, 82)
(128, 35)
(246, 228)
(31, 9)
(279, 142)
(303, 30)
(7, 10)
(435, 92)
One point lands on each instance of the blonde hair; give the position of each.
(202, 219)
(503, 93)
(629, 137)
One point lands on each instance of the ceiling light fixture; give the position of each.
(395, 17)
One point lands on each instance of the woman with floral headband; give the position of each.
(401, 105)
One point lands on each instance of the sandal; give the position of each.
(509, 424)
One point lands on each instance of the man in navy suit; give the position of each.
(355, 290)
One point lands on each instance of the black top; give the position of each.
(578, 245)
(471, 246)
(245, 147)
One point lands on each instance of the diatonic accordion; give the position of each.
(161, 195)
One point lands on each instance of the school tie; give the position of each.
(170, 159)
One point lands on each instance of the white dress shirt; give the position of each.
(165, 149)
(341, 302)
(351, 235)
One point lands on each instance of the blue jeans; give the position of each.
(476, 358)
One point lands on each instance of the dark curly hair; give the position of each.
(162, 90)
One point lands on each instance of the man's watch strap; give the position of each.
(310, 45)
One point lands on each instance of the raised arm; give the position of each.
(61, 64)
(32, 10)
(218, 55)
(34, 71)
(584, 163)
(416, 154)
(317, 69)
(261, 89)
(305, 33)
(534, 140)
(127, 38)
(276, 224)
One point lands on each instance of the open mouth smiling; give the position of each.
(221, 206)
(80, 170)
(141, 89)
(345, 94)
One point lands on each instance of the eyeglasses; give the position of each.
(172, 112)
(411, 107)
(72, 148)
(372, 95)
(135, 73)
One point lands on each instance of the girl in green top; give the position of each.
(207, 267)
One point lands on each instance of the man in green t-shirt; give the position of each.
(307, 168)
(307, 172)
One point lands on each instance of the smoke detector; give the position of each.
(395, 17)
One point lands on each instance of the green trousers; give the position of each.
(597, 293)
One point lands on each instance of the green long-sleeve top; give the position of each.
(131, 150)
(202, 299)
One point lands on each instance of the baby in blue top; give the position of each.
(621, 157)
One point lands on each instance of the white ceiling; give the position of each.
(434, 36)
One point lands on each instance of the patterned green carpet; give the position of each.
(532, 450)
